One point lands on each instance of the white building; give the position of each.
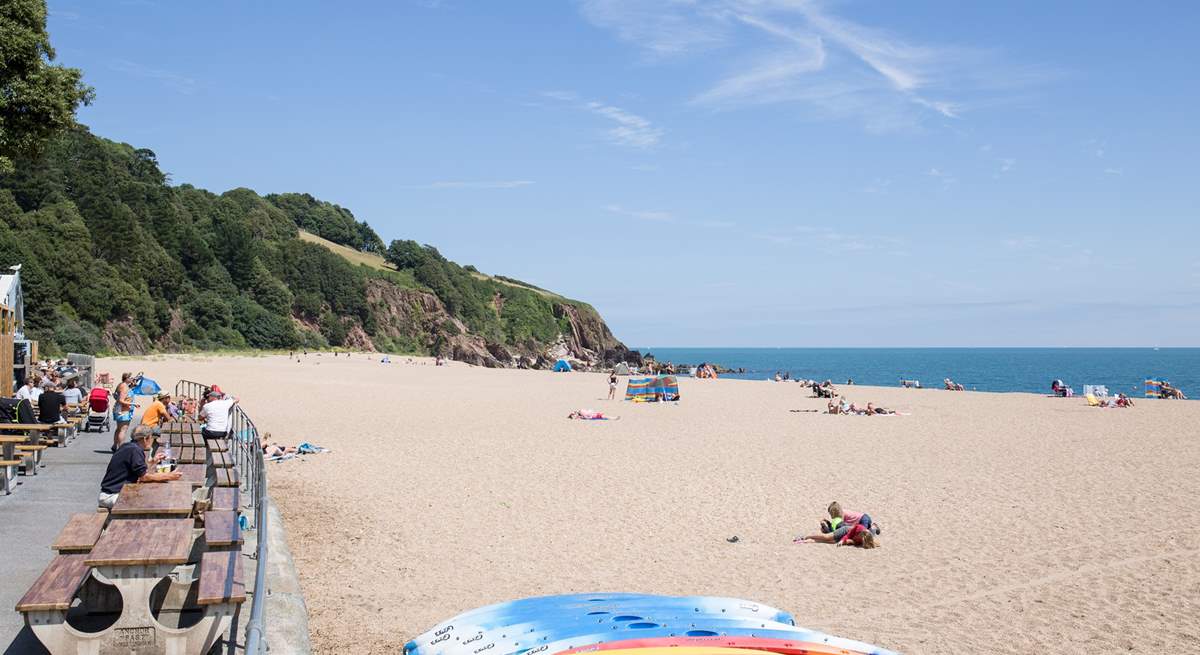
(12, 297)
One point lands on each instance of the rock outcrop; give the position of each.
(419, 321)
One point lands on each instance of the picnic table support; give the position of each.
(136, 630)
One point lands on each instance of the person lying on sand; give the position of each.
(855, 535)
(839, 524)
(591, 415)
(872, 409)
(274, 449)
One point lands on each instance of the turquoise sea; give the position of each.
(983, 369)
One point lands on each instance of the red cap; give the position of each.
(217, 389)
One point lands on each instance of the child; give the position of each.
(859, 535)
(849, 519)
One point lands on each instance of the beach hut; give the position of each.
(562, 366)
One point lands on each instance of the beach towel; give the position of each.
(306, 448)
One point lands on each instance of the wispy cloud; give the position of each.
(661, 216)
(836, 242)
(64, 15)
(181, 83)
(628, 129)
(878, 185)
(797, 51)
(642, 214)
(1114, 171)
(938, 174)
(459, 184)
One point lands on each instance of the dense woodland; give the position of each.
(113, 254)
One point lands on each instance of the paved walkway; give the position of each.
(32, 516)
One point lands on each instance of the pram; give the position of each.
(98, 416)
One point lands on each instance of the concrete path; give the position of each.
(32, 516)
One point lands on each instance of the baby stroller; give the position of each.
(98, 411)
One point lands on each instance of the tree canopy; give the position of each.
(38, 99)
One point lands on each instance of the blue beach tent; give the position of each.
(562, 366)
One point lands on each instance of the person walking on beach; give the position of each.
(612, 384)
(122, 411)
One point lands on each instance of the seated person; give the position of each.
(50, 406)
(156, 413)
(1124, 401)
(128, 464)
(73, 394)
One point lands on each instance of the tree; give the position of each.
(37, 99)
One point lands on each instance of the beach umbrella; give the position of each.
(144, 386)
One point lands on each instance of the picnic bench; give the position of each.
(80, 533)
(147, 572)
(8, 459)
(163, 499)
(142, 577)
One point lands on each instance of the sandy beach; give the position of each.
(1012, 523)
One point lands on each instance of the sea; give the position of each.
(980, 369)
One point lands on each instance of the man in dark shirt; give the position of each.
(128, 464)
(50, 405)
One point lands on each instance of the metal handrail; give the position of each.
(246, 449)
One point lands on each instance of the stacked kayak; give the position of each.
(629, 624)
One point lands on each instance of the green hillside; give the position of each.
(116, 259)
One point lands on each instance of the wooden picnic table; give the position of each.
(194, 474)
(190, 455)
(154, 499)
(9, 461)
(143, 542)
(184, 439)
(135, 556)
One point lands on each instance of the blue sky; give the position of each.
(711, 172)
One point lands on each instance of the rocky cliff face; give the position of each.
(419, 320)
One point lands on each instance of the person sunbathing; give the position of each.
(872, 409)
(275, 450)
(590, 415)
(1124, 401)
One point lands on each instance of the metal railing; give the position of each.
(246, 449)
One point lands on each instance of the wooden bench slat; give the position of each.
(226, 477)
(218, 445)
(10, 462)
(225, 498)
(80, 533)
(56, 587)
(222, 460)
(221, 579)
(191, 455)
(221, 528)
